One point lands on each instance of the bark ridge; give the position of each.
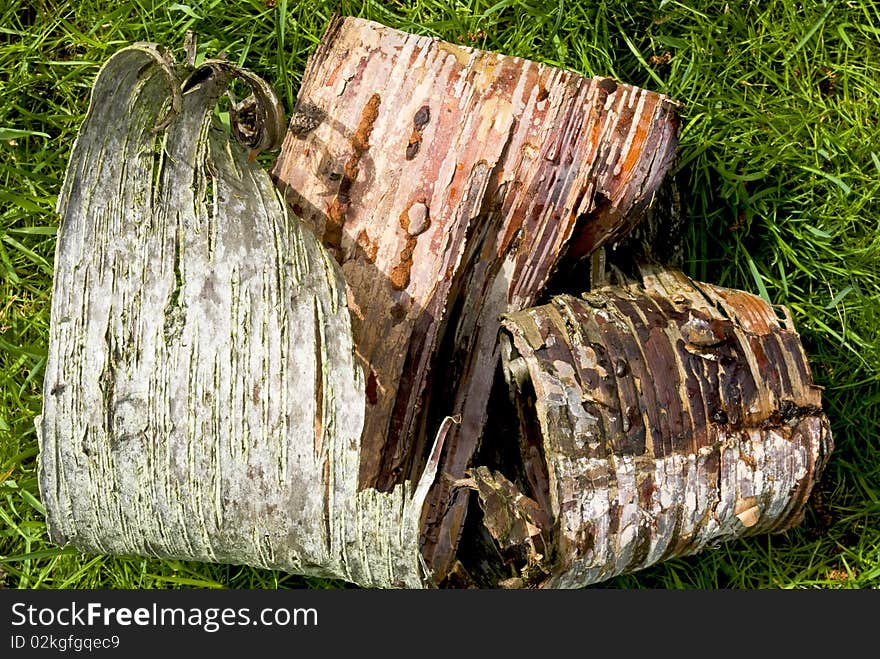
(202, 397)
(671, 414)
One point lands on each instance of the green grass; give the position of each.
(780, 175)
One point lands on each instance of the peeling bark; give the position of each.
(671, 414)
(449, 183)
(202, 397)
(208, 395)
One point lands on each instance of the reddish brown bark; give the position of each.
(656, 417)
(449, 182)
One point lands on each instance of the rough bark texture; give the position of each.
(202, 397)
(657, 417)
(449, 183)
(208, 396)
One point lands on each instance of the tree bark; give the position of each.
(202, 398)
(208, 396)
(449, 183)
(656, 417)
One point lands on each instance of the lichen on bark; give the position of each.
(202, 397)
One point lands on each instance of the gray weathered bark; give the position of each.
(657, 417)
(202, 397)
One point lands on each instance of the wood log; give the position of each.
(656, 417)
(202, 399)
(204, 396)
(449, 183)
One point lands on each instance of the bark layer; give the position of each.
(202, 397)
(449, 182)
(205, 395)
(670, 414)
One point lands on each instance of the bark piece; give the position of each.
(672, 414)
(202, 398)
(449, 182)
